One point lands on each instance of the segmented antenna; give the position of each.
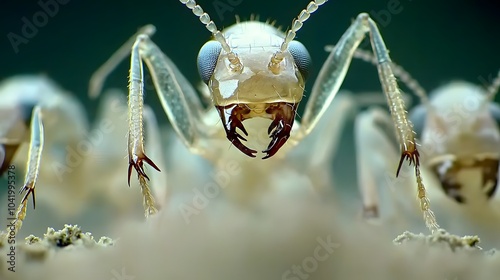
(210, 25)
(290, 35)
(493, 88)
(398, 71)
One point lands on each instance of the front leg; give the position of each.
(177, 97)
(383, 195)
(32, 167)
(331, 77)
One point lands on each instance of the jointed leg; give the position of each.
(320, 146)
(32, 168)
(375, 155)
(177, 96)
(331, 77)
(398, 71)
(153, 141)
(97, 79)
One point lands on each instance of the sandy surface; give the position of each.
(290, 238)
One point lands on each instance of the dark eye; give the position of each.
(418, 116)
(494, 109)
(207, 59)
(27, 107)
(301, 57)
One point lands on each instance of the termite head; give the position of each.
(461, 139)
(462, 178)
(248, 82)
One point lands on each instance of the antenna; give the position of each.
(210, 25)
(403, 75)
(290, 35)
(492, 89)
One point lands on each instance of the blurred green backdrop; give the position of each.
(436, 41)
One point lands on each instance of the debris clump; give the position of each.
(69, 235)
(440, 238)
(36, 249)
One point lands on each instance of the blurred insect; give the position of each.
(460, 134)
(63, 158)
(31, 105)
(256, 73)
(460, 140)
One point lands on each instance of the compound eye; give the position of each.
(418, 116)
(494, 109)
(207, 59)
(301, 57)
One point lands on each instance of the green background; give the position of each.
(436, 41)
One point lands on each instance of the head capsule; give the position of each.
(462, 178)
(459, 129)
(242, 87)
(254, 88)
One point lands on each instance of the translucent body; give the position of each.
(71, 152)
(254, 78)
(255, 43)
(460, 151)
(460, 122)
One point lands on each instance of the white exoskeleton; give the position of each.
(460, 134)
(30, 105)
(64, 150)
(460, 137)
(256, 74)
